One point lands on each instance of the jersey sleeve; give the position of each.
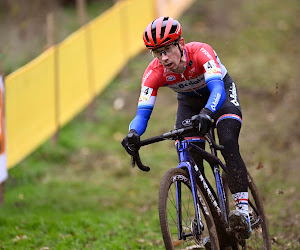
(146, 101)
(213, 77)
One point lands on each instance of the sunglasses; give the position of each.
(168, 49)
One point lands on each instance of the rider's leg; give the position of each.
(228, 133)
(228, 121)
(228, 128)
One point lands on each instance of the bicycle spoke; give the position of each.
(168, 213)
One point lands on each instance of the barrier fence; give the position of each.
(49, 91)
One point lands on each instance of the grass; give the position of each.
(68, 195)
(82, 193)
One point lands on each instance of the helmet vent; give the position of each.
(147, 38)
(174, 28)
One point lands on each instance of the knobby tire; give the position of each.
(168, 212)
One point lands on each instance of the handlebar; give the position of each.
(171, 135)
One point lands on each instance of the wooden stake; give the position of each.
(51, 41)
(82, 18)
(50, 29)
(81, 10)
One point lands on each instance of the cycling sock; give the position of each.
(241, 202)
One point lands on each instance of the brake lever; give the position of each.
(211, 141)
(139, 163)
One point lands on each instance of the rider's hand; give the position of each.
(203, 120)
(131, 142)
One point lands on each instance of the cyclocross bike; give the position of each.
(191, 211)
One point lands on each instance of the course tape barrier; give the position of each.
(52, 89)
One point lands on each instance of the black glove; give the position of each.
(131, 142)
(203, 120)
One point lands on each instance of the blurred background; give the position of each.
(81, 192)
(24, 26)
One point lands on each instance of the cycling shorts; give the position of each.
(189, 106)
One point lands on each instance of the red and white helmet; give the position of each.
(161, 31)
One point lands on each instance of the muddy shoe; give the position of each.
(240, 223)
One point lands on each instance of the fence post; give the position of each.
(125, 41)
(83, 19)
(51, 41)
(3, 159)
(81, 11)
(50, 29)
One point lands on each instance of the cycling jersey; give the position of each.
(202, 77)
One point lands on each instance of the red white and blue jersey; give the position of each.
(203, 77)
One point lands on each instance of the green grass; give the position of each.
(81, 192)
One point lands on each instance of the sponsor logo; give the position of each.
(205, 52)
(192, 71)
(189, 85)
(146, 76)
(180, 178)
(214, 71)
(170, 78)
(203, 204)
(196, 168)
(216, 101)
(187, 122)
(233, 95)
(210, 195)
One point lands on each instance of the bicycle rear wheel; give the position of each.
(168, 213)
(260, 238)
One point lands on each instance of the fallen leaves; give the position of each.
(260, 165)
(20, 237)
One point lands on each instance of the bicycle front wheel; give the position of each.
(260, 238)
(182, 216)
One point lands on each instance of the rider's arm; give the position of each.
(140, 121)
(213, 78)
(146, 102)
(143, 113)
(217, 94)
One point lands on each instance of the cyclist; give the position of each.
(205, 92)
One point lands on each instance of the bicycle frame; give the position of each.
(211, 201)
(186, 162)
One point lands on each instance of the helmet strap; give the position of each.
(181, 51)
(177, 43)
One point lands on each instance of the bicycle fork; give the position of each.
(184, 162)
(218, 202)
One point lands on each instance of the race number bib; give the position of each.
(146, 93)
(211, 67)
